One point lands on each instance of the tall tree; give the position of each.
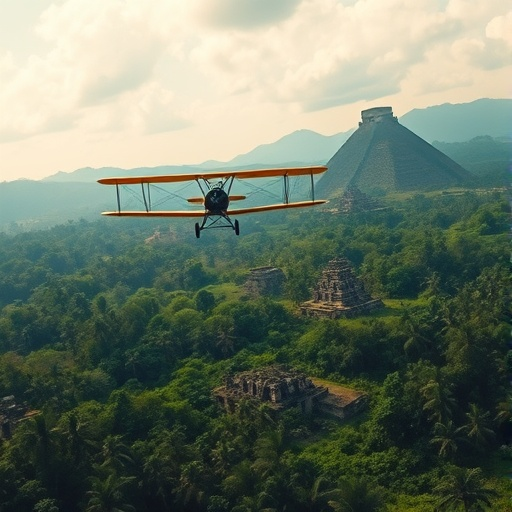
(109, 494)
(357, 496)
(466, 488)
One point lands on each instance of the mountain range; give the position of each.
(449, 127)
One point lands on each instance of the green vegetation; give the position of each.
(119, 343)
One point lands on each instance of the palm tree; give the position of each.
(321, 494)
(268, 450)
(115, 454)
(241, 481)
(38, 441)
(447, 438)
(464, 487)
(418, 342)
(191, 490)
(108, 495)
(439, 400)
(252, 504)
(77, 439)
(357, 496)
(477, 429)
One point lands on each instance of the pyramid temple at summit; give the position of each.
(384, 156)
(339, 294)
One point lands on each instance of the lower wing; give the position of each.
(241, 211)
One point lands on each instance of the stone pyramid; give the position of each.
(382, 155)
(339, 293)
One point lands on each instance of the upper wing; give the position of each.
(254, 173)
(191, 213)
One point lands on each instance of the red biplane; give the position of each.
(216, 195)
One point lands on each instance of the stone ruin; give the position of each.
(283, 388)
(354, 201)
(263, 281)
(11, 413)
(339, 294)
(278, 387)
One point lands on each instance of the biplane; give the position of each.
(216, 195)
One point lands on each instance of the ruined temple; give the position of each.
(12, 413)
(339, 293)
(382, 155)
(354, 201)
(279, 387)
(283, 388)
(264, 281)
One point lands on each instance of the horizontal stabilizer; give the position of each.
(200, 200)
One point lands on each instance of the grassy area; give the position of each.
(226, 291)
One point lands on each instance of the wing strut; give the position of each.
(118, 199)
(147, 201)
(286, 189)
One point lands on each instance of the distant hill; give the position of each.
(461, 122)
(91, 174)
(487, 158)
(301, 147)
(41, 204)
(473, 134)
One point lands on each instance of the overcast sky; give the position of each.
(132, 83)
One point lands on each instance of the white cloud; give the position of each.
(148, 68)
(500, 28)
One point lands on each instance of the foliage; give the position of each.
(116, 344)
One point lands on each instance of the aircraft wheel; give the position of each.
(237, 228)
(198, 230)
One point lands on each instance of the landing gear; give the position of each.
(217, 221)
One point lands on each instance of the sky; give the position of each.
(133, 83)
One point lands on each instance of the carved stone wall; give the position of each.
(339, 293)
(284, 388)
(275, 385)
(264, 281)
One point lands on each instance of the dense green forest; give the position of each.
(118, 338)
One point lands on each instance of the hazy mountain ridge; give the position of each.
(461, 122)
(445, 123)
(64, 196)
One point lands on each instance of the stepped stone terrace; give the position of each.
(339, 294)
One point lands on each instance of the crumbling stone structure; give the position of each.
(339, 294)
(284, 388)
(278, 387)
(264, 281)
(353, 201)
(11, 413)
